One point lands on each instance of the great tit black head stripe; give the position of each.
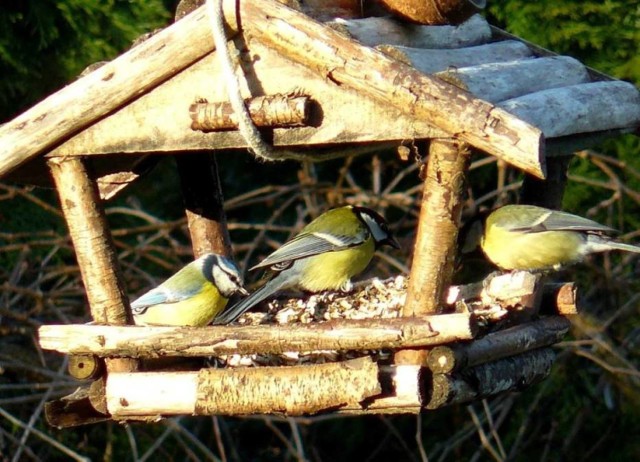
(377, 225)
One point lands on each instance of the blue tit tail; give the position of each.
(231, 314)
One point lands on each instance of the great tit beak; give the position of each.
(392, 242)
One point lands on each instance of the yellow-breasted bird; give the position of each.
(527, 237)
(191, 297)
(325, 255)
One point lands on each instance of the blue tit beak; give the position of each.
(243, 291)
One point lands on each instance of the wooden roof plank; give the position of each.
(107, 88)
(430, 61)
(375, 31)
(583, 108)
(159, 121)
(347, 63)
(495, 82)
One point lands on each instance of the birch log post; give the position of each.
(92, 241)
(497, 345)
(204, 203)
(201, 189)
(93, 245)
(432, 12)
(435, 248)
(347, 63)
(508, 374)
(293, 390)
(550, 191)
(365, 334)
(265, 111)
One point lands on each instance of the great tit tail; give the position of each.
(625, 247)
(598, 243)
(231, 314)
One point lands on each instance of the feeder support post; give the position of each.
(435, 247)
(204, 203)
(94, 247)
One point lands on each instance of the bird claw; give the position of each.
(347, 286)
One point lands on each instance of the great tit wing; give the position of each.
(269, 288)
(309, 244)
(562, 221)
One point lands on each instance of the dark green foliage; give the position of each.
(46, 43)
(602, 34)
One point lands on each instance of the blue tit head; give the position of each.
(377, 225)
(224, 274)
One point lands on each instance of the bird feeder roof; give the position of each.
(374, 80)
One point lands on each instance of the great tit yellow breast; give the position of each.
(331, 270)
(198, 310)
(531, 251)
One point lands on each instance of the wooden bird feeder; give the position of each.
(326, 86)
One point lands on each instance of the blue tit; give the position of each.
(325, 255)
(191, 297)
(526, 237)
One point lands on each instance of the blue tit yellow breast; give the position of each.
(332, 270)
(532, 251)
(198, 310)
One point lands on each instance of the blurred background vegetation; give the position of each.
(589, 409)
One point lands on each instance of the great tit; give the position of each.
(527, 237)
(191, 297)
(325, 255)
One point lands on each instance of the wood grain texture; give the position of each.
(430, 61)
(492, 378)
(159, 122)
(204, 203)
(495, 82)
(292, 390)
(92, 241)
(345, 62)
(584, 108)
(436, 238)
(223, 340)
(497, 345)
(94, 247)
(435, 248)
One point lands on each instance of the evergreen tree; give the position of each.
(46, 43)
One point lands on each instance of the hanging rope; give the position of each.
(245, 125)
